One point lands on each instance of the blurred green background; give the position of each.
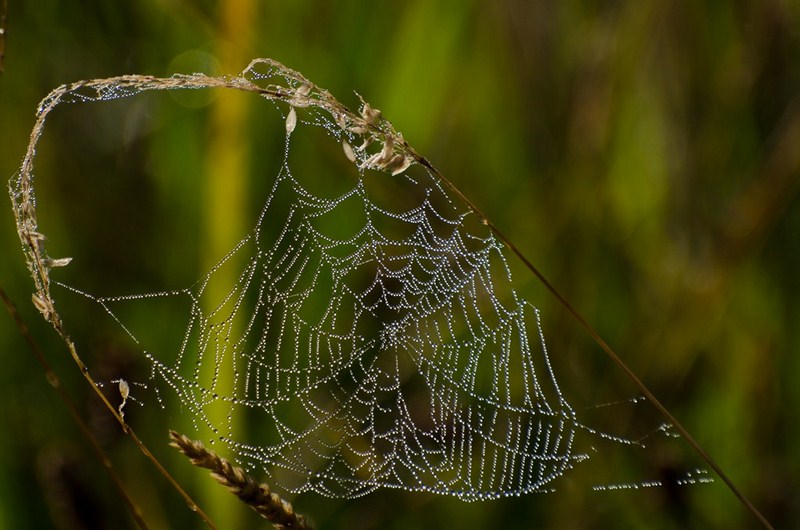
(644, 155)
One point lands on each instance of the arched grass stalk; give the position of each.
(394, 157)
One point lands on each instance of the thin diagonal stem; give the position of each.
(56, 322)
(599, 340)
(55, 382)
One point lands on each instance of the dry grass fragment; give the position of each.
(256, 495)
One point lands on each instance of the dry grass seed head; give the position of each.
(258, 496)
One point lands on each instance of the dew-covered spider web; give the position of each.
(374, 334)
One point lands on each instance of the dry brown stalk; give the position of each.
(256, 495)
(55, 382)
(394, 157)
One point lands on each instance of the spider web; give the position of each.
(343, 330)
(374, 335)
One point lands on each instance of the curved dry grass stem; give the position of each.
(256, 495)
(394, 157)
(302, 93)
